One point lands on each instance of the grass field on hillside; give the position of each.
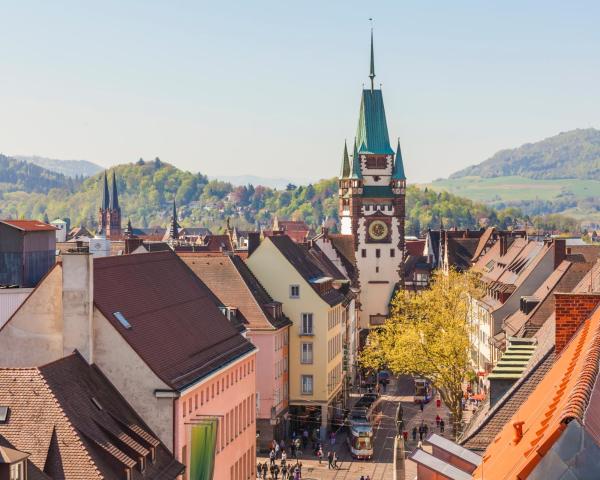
(516, 188)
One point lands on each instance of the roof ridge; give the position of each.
(579, 396)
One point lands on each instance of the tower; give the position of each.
(372, 189)
(109, 214)
(173, 233)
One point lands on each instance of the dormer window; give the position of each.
(17, 471)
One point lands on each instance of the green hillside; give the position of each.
(560, 174)
(573, 154)
(146, 190)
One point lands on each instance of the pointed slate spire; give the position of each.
(345, 163)
(174, 230)
(105, 194)
(398, 173)
(372, 70)
(356, 173)
(114, 198)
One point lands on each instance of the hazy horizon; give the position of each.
(273, 90)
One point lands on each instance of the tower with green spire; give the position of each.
(372, 188)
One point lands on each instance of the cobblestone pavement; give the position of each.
(379, 468)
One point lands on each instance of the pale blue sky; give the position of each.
(273, 88)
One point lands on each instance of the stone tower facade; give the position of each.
(372, 190)
(109, 213)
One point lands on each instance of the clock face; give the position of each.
(378, 230)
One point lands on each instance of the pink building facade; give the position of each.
(228, 395)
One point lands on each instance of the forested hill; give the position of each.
(573, 154)
(147, 189)
(17, 175)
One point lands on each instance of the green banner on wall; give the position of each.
(203, 443)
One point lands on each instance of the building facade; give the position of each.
(317, 310)
(372, 188)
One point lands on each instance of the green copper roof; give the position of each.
(356, 173)
(372, 133)
(377, 192)
(398, 173)
(345, 163)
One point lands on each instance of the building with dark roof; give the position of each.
(159, 335)
(73, 423)
(315, 302)
(247, 301)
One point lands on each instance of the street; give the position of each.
(381, 466)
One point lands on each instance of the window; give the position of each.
(307, 384)
(307, 353)
(294, 291)
(307, 324)
(377, 253)
(376, 269)
(363, 253)
(17, 471)
(392, 253)
(376, 162)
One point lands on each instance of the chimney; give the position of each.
(503, 243)
(253, 242)
(560, 251)
(572, 309)
(77, 303)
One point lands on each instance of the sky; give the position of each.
(272, 88)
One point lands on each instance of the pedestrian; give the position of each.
(420, 444)
(293, 449)
(442, 424)
(329, 460)
(425, 430)
(332, 438)
(335, 459)
(421, 405)
(272, 470)
(276, 448)
(258, 469)
(276, 471)
(264, 470)
(368, 478)
(437, 420)
(283, 457)
(421, 431)
(284, 471)
(414, 433)
(282, 445)
(272, 457)
(362, 477)
(320, 454)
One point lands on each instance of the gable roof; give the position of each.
(489, 421)
(305, 264)
(29, 225)
(562, 396)
(55, 416)
(460, 252)
(176, 325)
(234, 284)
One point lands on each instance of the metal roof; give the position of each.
(455, 449)
(375, 191)
(372, 133)
(437, 465)
(398, 173)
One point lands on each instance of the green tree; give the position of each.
(427, 335)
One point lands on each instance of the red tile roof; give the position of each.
(562, 396)
(29, 225)
(234, 284)
(415, 247)
(76, 425)
(176, 325)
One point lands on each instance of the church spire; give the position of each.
(174, 230)
(398, 173)
(355, 172)
(372, 70)
(345, 163)
(105, 194)
(114, 198)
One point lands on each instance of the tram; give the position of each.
(361, 420)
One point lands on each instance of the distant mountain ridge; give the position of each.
(271, 182)
(20, 176)
(572, 154)
(69, 168)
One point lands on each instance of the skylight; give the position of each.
(3, 414)
(119, 316)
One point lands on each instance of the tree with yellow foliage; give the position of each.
(427, 335)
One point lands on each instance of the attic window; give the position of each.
(122, 320)
(3, 414)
